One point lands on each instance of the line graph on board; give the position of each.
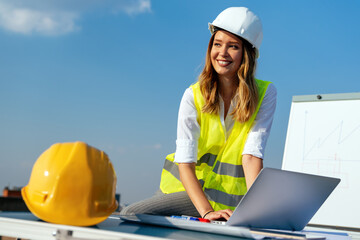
(329, 151)
(323, 138)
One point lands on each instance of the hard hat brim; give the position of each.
(86, 221)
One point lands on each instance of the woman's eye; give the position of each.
(217, 44)
(234, 46)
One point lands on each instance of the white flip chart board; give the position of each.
(323, 138)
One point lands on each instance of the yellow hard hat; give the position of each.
(72, 184)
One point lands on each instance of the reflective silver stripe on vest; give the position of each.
(222, 198)
(172, 168)
(229, 169)
(201, 182)
(207, 158)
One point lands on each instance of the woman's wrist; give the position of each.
(206, 213)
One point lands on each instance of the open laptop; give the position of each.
(278, 199)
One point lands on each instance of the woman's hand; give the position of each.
(221, 214)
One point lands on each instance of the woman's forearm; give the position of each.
(193, 188)
(252, 167)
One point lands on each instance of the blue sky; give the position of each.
(112, 73)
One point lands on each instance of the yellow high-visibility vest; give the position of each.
(219, 165)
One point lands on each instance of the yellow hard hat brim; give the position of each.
(63, 219)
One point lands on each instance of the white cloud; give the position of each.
(26, 20)
(53, 17)
(156, 146)
(135, 6)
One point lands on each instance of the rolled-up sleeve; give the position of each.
(259, 133)
(188, 130)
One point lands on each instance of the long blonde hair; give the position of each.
(247, 93)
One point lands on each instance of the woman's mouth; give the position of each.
(223, 63)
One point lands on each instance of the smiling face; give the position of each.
(226, 54)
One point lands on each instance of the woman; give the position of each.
(224, 121)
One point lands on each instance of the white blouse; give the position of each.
(188, 129)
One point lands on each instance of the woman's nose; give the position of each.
(223, 51)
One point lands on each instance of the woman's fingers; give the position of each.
(228, 212)
(219, 214)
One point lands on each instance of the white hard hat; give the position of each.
(241, 22)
